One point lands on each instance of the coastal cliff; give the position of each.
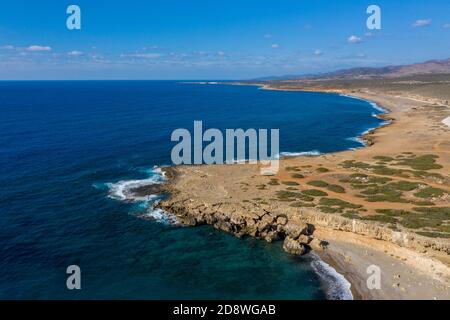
(373, 205)
(286, 224)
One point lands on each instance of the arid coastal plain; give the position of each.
(385, 205)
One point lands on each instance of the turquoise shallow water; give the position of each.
(64, 146)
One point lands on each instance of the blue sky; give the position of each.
(205, 39)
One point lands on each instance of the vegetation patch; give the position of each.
(297, 176)
(415, 222)
(383, 158)
(327, 209)
(430, 192)
(381, 218)
(361, 186)
(358, 178)
(442, 213)
(386, 193)
(322, 170)
(355, 164)
(385, 171)
(433, 234)
(424, 203)
(318, 183)
(300, 204)
(425, 162)
(274, 182)
(404, 185)
(386, 198)
(444, 228)
(332, 202)
(290, 183)
(286, 195)
(351, 215)
(315, 193)
(336, 188)
(304, 197)
(393, 212)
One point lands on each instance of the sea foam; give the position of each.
(338, 288)
(121, 190)
(304, 153)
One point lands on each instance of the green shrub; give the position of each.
(326, 209)
(425, 162)
(286, 194)
(442, 213)
(383, 158)
(331, 202)
(393, 212)
(386, 198)
(404, 185)
(315, 193)
(351, 215)
(413, 222)
(300, 204)
(430, 192)
(380, 218)
(354, 164)
(433, 234)
(336, 188)
(290, 183)
(318, 183)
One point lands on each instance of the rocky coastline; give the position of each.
(213, 195)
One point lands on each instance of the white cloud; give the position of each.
(221, 53)
(354, 39)
(368, 34)
(318, 52)
(275, 45)
(141, 55)
(74, 53)
(446, 26)
(267, 36)
(38, 48)
(421, 23)
(7, 47)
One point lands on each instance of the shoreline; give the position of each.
(338, 263)
(332, 256)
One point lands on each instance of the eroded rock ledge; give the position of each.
(293, 225)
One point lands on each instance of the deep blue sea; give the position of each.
(66, 148)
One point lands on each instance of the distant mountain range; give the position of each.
(428, 67)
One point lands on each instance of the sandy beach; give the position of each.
(388, 230)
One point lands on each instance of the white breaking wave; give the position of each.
(373, 104)
(121, 190)
(304, 153)
(360, 140)
(161, 216)
(338, 288)
(377, 107)
(356, 139)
